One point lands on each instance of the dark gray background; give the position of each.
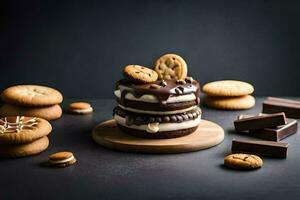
(80, 47)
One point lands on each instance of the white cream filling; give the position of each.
(61, 161)
(149, 98)
(90, 109)
(172, 112)
(155, 127)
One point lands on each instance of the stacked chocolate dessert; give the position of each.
(156, 108)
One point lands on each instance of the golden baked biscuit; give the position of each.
(171, 67)
(228, 88)
(243, 161)
(230, 103)
(140, 74)
(26, 149)
(47, 113)
(31, 95)
(20, 129)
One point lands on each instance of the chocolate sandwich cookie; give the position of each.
(159, 97)
(157, 126)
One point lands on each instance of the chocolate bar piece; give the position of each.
(291, 108)
(275, 133)
(260, 122)
(261, 148)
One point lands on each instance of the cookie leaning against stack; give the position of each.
(23, 136)
(31, 100)
(229, 95)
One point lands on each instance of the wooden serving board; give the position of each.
(207, 135)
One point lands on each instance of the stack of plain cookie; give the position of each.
(31, 100)
(23, 136)
(229, 95)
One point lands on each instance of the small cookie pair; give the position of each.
(229, 95)
(31, 100)
(23, 136)
(167, 67)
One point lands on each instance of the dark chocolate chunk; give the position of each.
(166, 118)
(151, 119)
(261, 148)
(259, 122)
(158, 119)
(291, 108)
(190, 115)
(179, 118)
(274, 133)
(185, 117)
(277, 133)
(194, 115)
(173, 118)
(129, 120)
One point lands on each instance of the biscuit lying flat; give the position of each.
(230, 103)
(139, 74)
(48, 113)
(80, 108)
(171, 67)
(61, 159)
(31, 95)
(243, 161)
(228, 88)
(26, 149)
(20, 129)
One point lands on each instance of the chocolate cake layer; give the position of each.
(157, 135)
(157, 106)
(165, 93)
(138, 119)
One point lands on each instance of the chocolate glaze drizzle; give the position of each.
(162, 93)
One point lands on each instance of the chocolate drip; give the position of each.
(162, 94)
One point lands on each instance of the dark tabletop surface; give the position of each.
(105, 174)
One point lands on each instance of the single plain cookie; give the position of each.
(243, 161)
(230, 103)
(27, 149)
(80, 108)
(171, 67)
(140, 74)
(61, 159)
(48, 113)
(31, 95)
(20, 129)
(228, 88)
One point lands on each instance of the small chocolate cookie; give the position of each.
(171, 67)
(80, 108)
(47, 113)
(26, 149)
(31, 95)
(243, 161)
(139, 74)
(20, 129)
(61, 159)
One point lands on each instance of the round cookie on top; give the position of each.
(160, 109)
